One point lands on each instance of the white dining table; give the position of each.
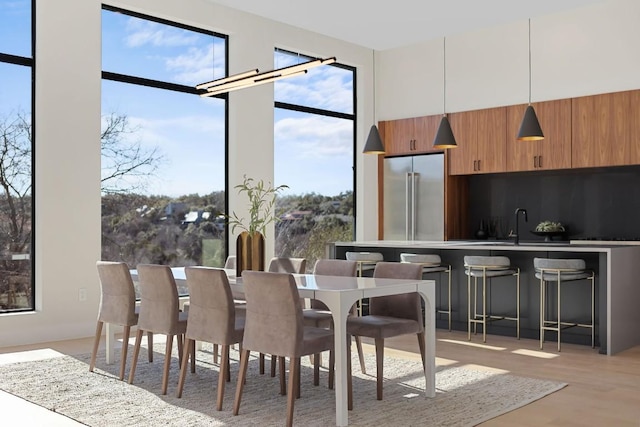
(339, 294)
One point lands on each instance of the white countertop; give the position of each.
(506, 245)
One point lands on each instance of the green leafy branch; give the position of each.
(262, 198)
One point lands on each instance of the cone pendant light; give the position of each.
(530, 129)
(444, 137)
(374, 143)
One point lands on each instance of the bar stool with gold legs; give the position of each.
(561, 270)
(366, 261)
(488, 267)
(431, 263)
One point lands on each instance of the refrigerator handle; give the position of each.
(407, 207)
(414, 208)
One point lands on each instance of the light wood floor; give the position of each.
(602, 391)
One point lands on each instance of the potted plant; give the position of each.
(250, 242)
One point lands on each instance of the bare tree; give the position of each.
(126, 164)
(15, 182)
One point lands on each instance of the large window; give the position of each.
(314, 155)
(16, 156)
(163, 147)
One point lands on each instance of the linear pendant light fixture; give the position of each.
(374, 143)
(254, 77)
(444, 137)
(530, 129)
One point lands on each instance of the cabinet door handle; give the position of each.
(413, 144)
(478, 165)
(539, 161)
(535, 162)
(474, 165)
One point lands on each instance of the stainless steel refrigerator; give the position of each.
(414, 197)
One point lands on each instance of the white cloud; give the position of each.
(315, 137)
(142, 32)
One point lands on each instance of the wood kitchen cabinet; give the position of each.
(605, 130)
(481, 139)
(409, 136)
(554, 151)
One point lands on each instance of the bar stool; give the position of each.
(562, 270)
(488, 267)
(431, 263)
(366, 260)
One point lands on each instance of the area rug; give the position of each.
(465, 397)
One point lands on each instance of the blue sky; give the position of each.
(189, 130)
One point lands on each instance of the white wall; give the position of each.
(580, 52)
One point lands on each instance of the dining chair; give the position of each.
(391, 316)
(118, 307)
(159, 313)
(274, 325)
(283, 265)
(320, 316)
(212, 318)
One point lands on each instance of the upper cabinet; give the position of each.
(409, 136)
(481, 139)
(554, 151)
(605, 129)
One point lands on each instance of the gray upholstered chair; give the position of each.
(159, 313)
(283, 265)
(561, 271)
(287, 265)
(488, 267)
(212, 318)
(432, 263)
(274, 325)
(230, 263)
(117, 306)
(391, 316)
(320, 316)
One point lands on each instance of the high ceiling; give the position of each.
(381, 25)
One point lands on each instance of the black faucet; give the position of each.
(517, 235)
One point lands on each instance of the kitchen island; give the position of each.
(617, 289)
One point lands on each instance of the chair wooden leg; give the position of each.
(363, 369)
(224, 367)
(183, 366)
(96, 344)
(136, 352)
(150, 346)
(316, 369)
(294, 368)
(244, 359)
(227, 373)
(273, 366)
(298, 363)
(125, 346)
(193, 356)
(379, 367)
(215, 354)
(167, 363)
(283, 388)
(180, 341)
(261, 363)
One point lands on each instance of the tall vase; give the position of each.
(249, 252)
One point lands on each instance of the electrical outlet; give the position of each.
(82, 294)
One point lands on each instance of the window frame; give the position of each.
(29, 62)
(328, 113)
(158, 84)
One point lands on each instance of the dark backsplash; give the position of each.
(602, 202)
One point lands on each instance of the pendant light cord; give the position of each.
(373, 53)
(444, 76)
(529, 61)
